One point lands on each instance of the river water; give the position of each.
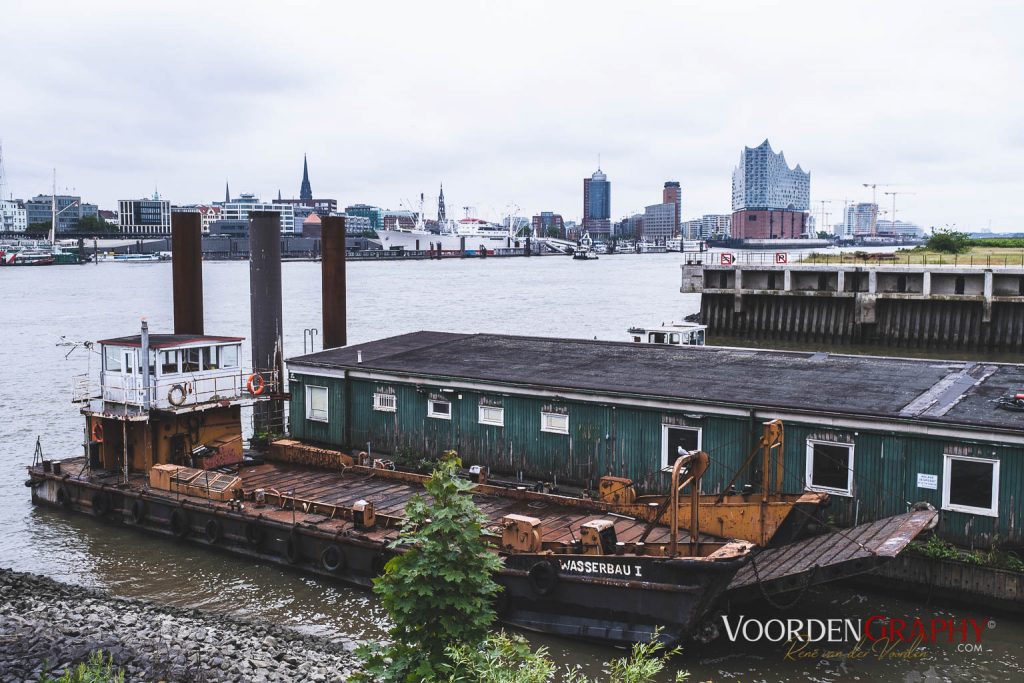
(47, 307)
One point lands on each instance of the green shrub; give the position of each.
(949, 242)
(97, 670)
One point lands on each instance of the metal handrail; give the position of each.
(183, 389)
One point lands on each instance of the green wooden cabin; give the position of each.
(875, 433)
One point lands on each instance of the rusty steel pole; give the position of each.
(266, 314)
(187, 271)
(333, 292)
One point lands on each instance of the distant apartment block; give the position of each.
(13, 216)
(860, 220)
(769, 224)
(597, 204)
(659, 223)
(673, 194)
(630, 227)
(322, 207)
(238, 209)
(763, 180)
(548, 223)
(708, 226)
(144, 216)
(357, 225)
(899, 229)
(39, 209)
(374, 214)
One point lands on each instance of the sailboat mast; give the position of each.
(53, 210)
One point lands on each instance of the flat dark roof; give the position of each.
(158, 341)
(958, 392)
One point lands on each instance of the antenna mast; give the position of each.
(3, 173)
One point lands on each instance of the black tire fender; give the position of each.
(291, 549)
(254, 533)
(181, 525)
(543, 577)
(101, 503)
(139, 511)
(214, 531)
(64, 497)
(378, 563)
(332, 558)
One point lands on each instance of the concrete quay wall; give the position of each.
(932, 307)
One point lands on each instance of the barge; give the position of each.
(163, 453)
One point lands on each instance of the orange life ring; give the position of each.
(255, 384)
(97, 432)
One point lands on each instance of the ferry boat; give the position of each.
(137, 258)
(585, 249)
(672, 334)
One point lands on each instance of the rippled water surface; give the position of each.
(538, 296)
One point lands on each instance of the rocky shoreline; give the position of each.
(43, 622)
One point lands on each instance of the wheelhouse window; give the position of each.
(677, 440)
(229, 356)
(970, 485)
(209, 355)
(316, 403)
(387, 403)
(830, 467)
(556, 423)
(190, 360)
(112, 358)
(168, 362)
(492, 415)
(442, 410)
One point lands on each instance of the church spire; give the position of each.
(305, 191)
(440, 208)
(227, 193)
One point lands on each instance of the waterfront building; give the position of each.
(398, 219)
(898, 229)
(659, 223)
(13, 216)
(630, 227)
(109, 217)
(597, 204)
(323, 207)
(230, 228)
(572, 230)
(90, 210)
(144, 216)
(769, 199)
(672, 194)
(708, 226)
(309, 225)
(861, 220)
(374, 214)
(39, 209)
(763, 180)
(931, 433)
(357, 225)
(239, 208)
(548, 224)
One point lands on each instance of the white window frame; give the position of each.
(499, 422)
(309, 403)
(666, 464)
(809, 468)
(545, 425)
(432, 412)
(385, 403)
(947, 469)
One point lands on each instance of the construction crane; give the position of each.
(893, 217)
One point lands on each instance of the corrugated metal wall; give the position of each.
(607, 439)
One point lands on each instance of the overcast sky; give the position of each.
(510, 103)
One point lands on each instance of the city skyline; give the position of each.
(384, 126)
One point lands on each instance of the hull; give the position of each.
(610, 598)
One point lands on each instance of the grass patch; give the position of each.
(974, 256)
(938, 549)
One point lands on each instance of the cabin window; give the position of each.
(556, 423)
(387, 403)
(316, 403)
(636, 338)
(112, 358)
(229, 357)
(676, 441)
(190, 360)
(491, 415)
(656, 337)
(674, 338)
(442, 410)
(970, 485)
(830, 467)
(209, 354)
(168, 362)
